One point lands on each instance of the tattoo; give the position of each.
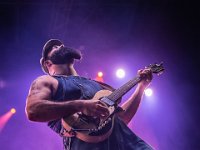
(34, 93)
(41, 88)
(34, 88)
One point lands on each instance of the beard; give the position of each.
(65, 55)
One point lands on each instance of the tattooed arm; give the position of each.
(40, 106)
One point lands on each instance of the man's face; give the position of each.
(63, 55)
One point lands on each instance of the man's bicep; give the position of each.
(40, 90)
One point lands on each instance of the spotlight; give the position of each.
(6, 117)
(100, 74)
(148, 92)
(13, 110)
(120, 73)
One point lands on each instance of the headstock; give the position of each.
(156, 68)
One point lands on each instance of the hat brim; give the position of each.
(48, 46)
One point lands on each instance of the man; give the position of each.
(63, 93)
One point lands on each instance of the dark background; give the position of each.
(110, 34)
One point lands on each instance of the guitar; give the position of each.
(93, 129)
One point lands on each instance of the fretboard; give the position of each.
(118, 93)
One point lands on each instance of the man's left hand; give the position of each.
(146, 76)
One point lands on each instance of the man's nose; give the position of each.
(61, 46)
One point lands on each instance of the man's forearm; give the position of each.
(131, 105)
(45, 110)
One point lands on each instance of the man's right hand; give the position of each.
(95, 108)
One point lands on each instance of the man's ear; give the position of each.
(43, 65)
(48, 63)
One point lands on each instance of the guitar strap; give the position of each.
(105, 86)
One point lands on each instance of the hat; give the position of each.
(48, 46)
(46, 49)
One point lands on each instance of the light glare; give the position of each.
(13, 110)
(120, 73)
(100, 74)
(148, 92)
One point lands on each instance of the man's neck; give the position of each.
(63, 70)
(72, 71)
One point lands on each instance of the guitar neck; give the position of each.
(118, 93)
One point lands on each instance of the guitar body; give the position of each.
(89, 129)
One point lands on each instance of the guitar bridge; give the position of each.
(107, 101)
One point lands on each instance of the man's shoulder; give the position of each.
(45, 79)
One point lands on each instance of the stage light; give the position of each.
(13, 110)
(99, 77)
(6, 117)
(148, 92)
(120, 73)
(100, 74)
